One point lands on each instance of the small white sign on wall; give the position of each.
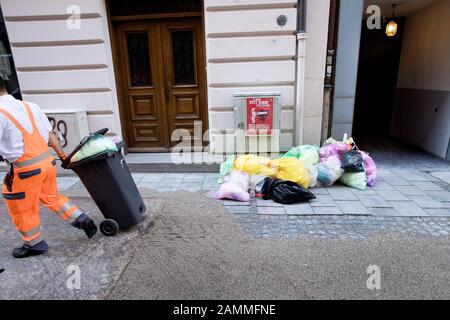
(71, 125)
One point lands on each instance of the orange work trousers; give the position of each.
(25, 188)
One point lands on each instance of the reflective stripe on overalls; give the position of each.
(31, 182)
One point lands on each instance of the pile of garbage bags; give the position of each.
(287, 179)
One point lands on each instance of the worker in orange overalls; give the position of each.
(25, 134)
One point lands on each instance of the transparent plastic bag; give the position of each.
(234, 187)
(329, 171)
(312, 174)
(332, 147)
(306, 153)
(226, 167)
(357, 180)
(96, 145)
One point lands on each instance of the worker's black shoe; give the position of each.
(87, 224)
(29, 251)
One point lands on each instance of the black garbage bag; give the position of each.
(283, 191)
(352, 161)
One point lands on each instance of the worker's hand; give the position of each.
(62, 156)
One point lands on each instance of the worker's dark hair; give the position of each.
(2, 83)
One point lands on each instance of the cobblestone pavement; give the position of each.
(403, 200)
(398, 193)
(339, 227)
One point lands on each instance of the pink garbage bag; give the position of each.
(235, 187)
(332, 149)
(370, 168)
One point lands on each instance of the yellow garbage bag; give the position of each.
(291, 169)
(253, 164)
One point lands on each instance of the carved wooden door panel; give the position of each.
(182, 44)
(162, 77)
(142, 83)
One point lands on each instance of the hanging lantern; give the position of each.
(391, 27)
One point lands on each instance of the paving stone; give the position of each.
(137, 174)
(153, 177)
(319, 190)
(385, 173)
(392, 195)
(442, 175)
(235, 203)
(170, 183)
(440, 195)
(267, 203)
(368, 191)
(65, 183)
(374, 201)
(238, 209)
(341, 193)
(299, 209)
(427, 202)
(382, 185)
(352, 207)
(210, 182)
(271, 210)
(427, 186)
(409, 209)
(438, 212)
(397, 181)
(164, 189)
(175, 175)
(327, 210)
(411, 191)
(391, 212)
(198, 177)
(148, 185)
(137, 179)
(413, 176)
(190, 186)
(322, 200)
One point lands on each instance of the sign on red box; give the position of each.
(259, 116)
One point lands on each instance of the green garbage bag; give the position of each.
(357, 180)
(96, 145)
(226, 167)
(306, 153)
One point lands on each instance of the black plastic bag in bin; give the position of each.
(352, 161)
(284, 191)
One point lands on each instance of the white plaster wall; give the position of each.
(316, 51)
(425, 62)
(248, 51)
(422, 112)
(62, 68)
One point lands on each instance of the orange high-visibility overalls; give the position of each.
(32, 180)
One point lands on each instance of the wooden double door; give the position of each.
(162, 75)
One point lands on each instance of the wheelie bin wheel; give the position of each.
(109, 227)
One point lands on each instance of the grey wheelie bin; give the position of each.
(109, 182)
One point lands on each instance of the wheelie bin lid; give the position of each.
(103, 155)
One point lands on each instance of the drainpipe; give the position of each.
(300, 71)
